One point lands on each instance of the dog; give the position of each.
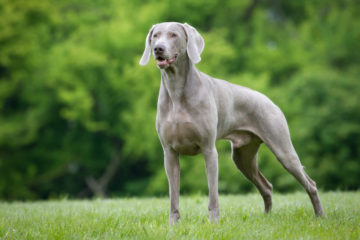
(195, 110)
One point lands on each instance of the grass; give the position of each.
(242, 217)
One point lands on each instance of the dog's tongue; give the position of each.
(164, 62)
(171, 60)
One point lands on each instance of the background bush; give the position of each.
(77, 112)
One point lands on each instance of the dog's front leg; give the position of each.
(211, 162)
(172, 167)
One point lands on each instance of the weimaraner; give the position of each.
(195, 110)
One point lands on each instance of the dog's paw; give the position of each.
(214, 215)
(174, 218)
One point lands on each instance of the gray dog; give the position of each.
(195, 110)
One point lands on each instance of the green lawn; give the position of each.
(242, 217)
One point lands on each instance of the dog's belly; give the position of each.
(183, 137)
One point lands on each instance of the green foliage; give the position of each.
(241, 217)
(73, 99)
(332, 120)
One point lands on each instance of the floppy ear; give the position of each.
(147, 52)
(195, 43)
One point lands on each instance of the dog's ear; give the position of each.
(147, 52)
(195, 43)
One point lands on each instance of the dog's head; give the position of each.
(171, 41)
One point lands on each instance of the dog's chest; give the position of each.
(179, 130)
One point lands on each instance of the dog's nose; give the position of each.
(159, 48)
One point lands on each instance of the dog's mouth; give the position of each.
(163, 62)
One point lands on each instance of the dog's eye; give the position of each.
(173, 35)
(155, 35)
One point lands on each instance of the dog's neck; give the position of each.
(176, 77)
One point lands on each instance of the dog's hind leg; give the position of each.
(290, 160)
(245, 158)
(277, 138)
(274, 132)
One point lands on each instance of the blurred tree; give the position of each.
(326, 117)
(77, 112)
